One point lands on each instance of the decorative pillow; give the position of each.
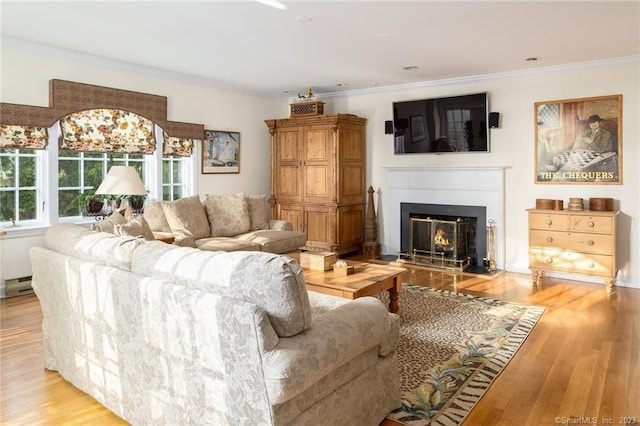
(258, 217)
(136, 227)
(109, 223)
(228, 215)
(154, 215)
(187, 216)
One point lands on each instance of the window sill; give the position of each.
(37, 229)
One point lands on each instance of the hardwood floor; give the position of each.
(582, 359)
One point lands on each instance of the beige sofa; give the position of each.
(162, 334)
(223, 223)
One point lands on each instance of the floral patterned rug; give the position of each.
(452, 346)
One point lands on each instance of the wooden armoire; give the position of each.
(317, 178)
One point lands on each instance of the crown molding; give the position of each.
(117, 65)
(114, 64)
(604, 63)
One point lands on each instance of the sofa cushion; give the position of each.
(272, 282)
(258, 216)
(226, 244)
(109, 223)
(136, 227)
(276, 241)
(291, 367)
(228, 215)
(100, 247)
(186, 216)
(155, 217)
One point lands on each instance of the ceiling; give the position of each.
(331, 46)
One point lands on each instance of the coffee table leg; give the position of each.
(394, 295)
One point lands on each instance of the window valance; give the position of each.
(23, 137)
(107, 130)
(67, 97)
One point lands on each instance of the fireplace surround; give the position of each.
(447, 186)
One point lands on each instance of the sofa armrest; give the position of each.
(334, 338)
(280, 225)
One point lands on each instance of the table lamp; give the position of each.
(123, 181)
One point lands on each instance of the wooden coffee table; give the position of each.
(367, 280)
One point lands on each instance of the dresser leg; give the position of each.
(608, 284)
(536, 277)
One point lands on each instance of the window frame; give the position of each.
(38, 186)
(47, 163)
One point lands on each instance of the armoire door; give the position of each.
(318, 165)
(288, 165)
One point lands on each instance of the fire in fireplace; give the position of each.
(439, 242)
(444, 236)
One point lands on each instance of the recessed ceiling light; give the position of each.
(532, 58)
(410, 68)
(303, 19)
(273, 3)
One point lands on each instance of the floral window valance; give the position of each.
(181, 147)
(23, 137)
(107, 130)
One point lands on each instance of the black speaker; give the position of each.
(494, 120)
(388, 127)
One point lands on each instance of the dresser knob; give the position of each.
(549, 239)
(590, 224)
(550, 260)
(548, 222)
(590, 242)
(592, 265)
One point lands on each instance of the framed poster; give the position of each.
(579, 141)
(418, 131)
(220, 152)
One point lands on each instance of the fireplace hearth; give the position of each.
(445, 236)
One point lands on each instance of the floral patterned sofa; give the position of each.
(162, 334)
(223, 223)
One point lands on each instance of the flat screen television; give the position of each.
(440, 125)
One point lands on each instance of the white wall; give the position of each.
(512, 145)
(24, 79)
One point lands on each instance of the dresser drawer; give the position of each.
(568, 261)
(573, 241)
(558, 222)
(599, 224)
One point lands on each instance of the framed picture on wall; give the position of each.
(579, 141)
(220, 152)
(418, 132)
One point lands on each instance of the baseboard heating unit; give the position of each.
(18, 286)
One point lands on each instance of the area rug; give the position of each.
(452, 346)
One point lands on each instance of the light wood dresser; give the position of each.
(573, 241)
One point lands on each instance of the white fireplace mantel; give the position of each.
(466, 186)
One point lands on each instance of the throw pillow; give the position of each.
(136, 227)
(154, 215)
(258, 217)
(228, 215)
(107, 225)
(187, 216)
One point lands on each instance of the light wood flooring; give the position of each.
(581, 361)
